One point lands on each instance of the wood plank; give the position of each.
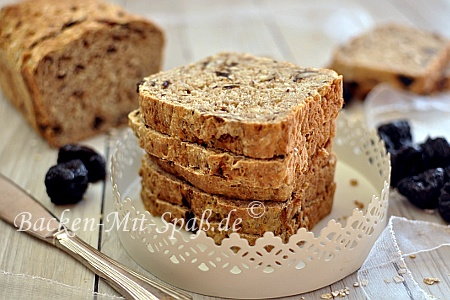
(169, 15)
(432, 264)
(312, 30)
(25, 158)
(110, 243)
(432, 16)
(196, 29)
(236, 27)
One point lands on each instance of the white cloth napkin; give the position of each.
(394, 267)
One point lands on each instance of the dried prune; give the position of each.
(396, 134)
(96, 168)
(94, 162)
(423, 190)
(405, 162)
(436, 152)
(444, 202)
(67, 182)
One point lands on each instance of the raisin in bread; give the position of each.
(251, 106)
(71, 66)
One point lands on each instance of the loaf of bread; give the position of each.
(71, 66)
(404, 57)
(303, 209)
(233, 130)
(248, 105)
(223, 171)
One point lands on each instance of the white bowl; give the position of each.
(336, 248)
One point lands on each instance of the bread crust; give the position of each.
(35, 35)
(320, 102)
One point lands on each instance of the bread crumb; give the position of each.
(359, 204)
(431, 280)
(412, 256)
(402, 271)
(387, 280)
(335, 294)
(398, 279)
(356, 284)
(353, 182)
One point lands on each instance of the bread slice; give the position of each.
(177, 214)
(404, 57)
(235, 169)
(251, 106)
(71, 66)
(221, 186)
(307, 217)
(278, 216)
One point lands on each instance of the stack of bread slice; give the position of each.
(239, 138)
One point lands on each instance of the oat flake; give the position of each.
(326, 296)
(431, 280)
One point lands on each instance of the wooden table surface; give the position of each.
(303, 32)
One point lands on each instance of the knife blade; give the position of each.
(24, 212)
(15, 204)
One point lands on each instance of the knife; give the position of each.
(15, 204)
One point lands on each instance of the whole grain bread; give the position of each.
(308, 216)
(251, 106)
(71, 66)
(235, 169)
(221, 186)
(404, 57)
(277, 216)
